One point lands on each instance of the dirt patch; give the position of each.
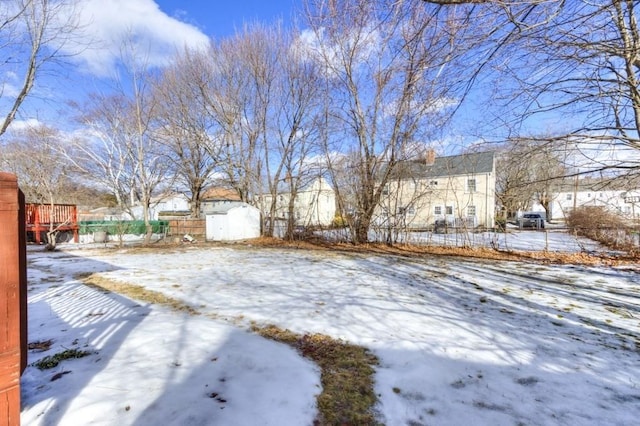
(40, 345)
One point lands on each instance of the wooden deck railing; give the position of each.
(39, 218)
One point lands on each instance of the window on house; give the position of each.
(627, 209)
(433, 183)
(411, 211)
(569, 197)
(589, 195)
(437, 210)
(385, 190)
(471, 210)
(471, 185)
(449, 209)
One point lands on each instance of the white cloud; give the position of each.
(9, 90)
(19, 125)
(107, 26)
(361, 43)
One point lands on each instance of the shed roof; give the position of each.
(225, 208)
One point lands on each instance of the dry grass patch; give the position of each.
(136, 292)
(417, 251)
(406, 250)
(348, 396)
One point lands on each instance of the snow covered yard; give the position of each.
(459, 341)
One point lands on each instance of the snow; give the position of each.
(459, 341)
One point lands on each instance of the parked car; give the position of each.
(532, 220)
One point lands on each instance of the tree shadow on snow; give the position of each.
(228, 376)
(70, 315)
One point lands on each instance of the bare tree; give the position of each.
(529, 171)
(33, 155)
(512, 178)
(103, 155)
(576, 60)
(234, 85)
(32, 36)
(185, 128)
(292, 128)
(388, 66)
(123, 146)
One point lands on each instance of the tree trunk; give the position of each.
(52, 233)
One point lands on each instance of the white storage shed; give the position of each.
(233, 222)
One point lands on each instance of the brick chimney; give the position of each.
(430, 157)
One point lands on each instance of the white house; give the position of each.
(456, 190)
(620, 197)
(169, 202)
(314, 204)
(231, 222)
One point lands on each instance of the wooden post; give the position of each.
(13, 298)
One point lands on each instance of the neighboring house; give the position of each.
(172, 203)
(618, 196)
(214, 198)
(233, 221)
(102, 214)
(314, 204)
(169, 202)
(455, 191)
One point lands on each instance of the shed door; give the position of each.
(215, 227)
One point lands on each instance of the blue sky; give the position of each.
(159, 28)
(221, 18)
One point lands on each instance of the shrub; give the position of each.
(599, 224)
(119, 227)
(339, 221)
(52, 361)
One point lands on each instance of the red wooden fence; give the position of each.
(13, 298)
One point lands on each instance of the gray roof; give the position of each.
(225, 208)
(616, 183)
(454, 165)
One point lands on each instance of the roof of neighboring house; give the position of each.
(618, 183)
(307, 184)
(463, 164)
(220, 194)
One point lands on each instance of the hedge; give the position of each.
(117, 227)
